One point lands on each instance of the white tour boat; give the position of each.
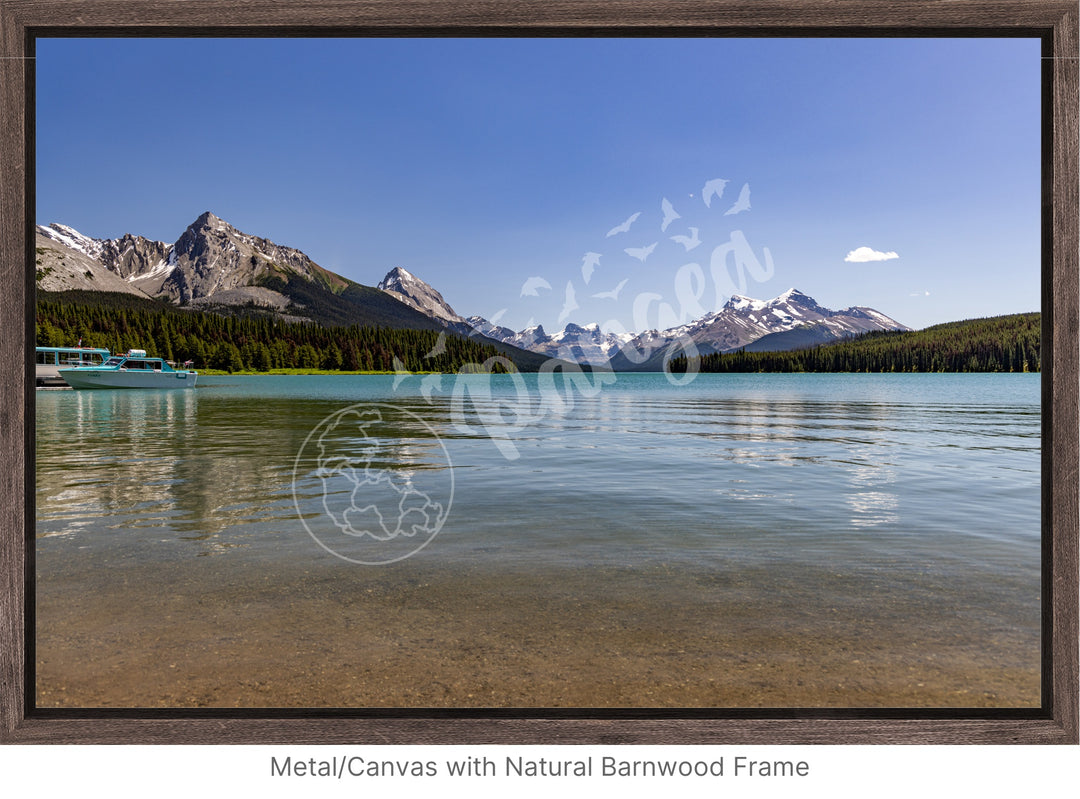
(131, 370)
(50, 360)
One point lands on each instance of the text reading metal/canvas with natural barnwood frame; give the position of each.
(1053, 21)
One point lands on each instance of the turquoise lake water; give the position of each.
(780, 518)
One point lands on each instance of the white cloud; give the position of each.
(863, 254)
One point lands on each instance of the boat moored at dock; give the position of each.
(133, 369)
(48, 361)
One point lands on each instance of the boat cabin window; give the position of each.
(135, 364)
(114, 361)
(46, 357)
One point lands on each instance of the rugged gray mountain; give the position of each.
(72, 239)
(740, 322)
(65, 263)
(138, 260)
(212, 256)
(744, 319)
(489, 329)
(414, 292)
(580, 343)
(142, 264)
(211, 262)
(213, 265)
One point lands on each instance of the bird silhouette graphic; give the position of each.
(613, 294)
(689, 242)
(625, 226)
(439, 348)
(713, 188)
(741, 204)
(670, 214)
(430, 385)
(589, 262)
(570, 305)
(400, 372)
(530, 288)
(641, 253)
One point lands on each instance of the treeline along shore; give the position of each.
(250, 340)
(245, 342)
(996, 344)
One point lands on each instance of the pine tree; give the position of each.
(307, 357)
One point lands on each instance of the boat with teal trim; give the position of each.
(48, 361)
(133, 369)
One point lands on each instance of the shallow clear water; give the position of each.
(797, 524)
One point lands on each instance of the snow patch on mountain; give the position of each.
(741, 321)
(414, 292)
(70, 237)
(212, 259)
(580, 343)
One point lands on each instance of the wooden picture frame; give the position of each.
(1053, 21)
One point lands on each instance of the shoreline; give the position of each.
(422, 635)
(306, 373)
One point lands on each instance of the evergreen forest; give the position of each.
(997, 344)
(250, 341)
(253, 340)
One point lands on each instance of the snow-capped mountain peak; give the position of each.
(740, 322)
(211, 262)
(581, 343)
(414, 292)
(791, 293)
(397, 279)
(70, 237)
(739, 302)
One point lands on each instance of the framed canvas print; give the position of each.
(590, 372)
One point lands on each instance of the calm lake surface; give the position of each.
(743, 540)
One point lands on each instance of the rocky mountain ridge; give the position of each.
(415, 293)
(580, 343)
(741, 322)
(214, 266)
(213, 263)
(210, 258)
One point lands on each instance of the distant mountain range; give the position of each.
(214, 266)
(790, 321)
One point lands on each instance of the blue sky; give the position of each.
(478, 164)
